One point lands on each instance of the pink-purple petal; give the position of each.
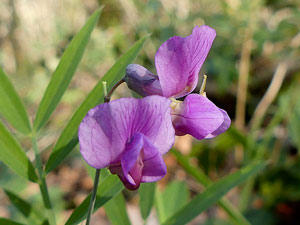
(141, 162)
(224, 126)
(154, 121)
(172, 66)
(105, 130)
(132, 160)
(179, 60)
(198, 116)
(154, 165)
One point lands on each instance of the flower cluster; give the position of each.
(129, 136)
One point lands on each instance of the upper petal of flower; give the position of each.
(179, 60)
(197, 116)
(106, 129)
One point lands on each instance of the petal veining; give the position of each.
(198, 116)
(179, 60)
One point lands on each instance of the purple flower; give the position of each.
(178, 62)
(129, 136)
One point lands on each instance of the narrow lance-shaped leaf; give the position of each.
(212, 194)
(173, 198)
(68, 138)
(12, 154)
(234, 214)
(32, 214)
(65, 71)
(11, 107)
(116, 210)
(107, 189)
(5, 221)
(147, 192)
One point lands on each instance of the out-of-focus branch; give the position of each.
(244, 68)
(270, 94)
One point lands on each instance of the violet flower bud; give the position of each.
(142, 81)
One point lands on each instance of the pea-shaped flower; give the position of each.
(129, 136)
(178, 62)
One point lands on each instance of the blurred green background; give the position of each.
(253, 73)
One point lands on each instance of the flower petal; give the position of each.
(140, 162)
(179, 60)
(132, 161)
(142, 81)
(224, 126)
(154, 165)
(153, 119)
(197, 116)
(105, 130)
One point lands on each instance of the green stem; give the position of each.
(42, 183)
(93, 197)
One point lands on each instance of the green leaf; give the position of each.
(68, 138)
(33, 215)
(146, 191)
(116, 210)
(4, 221)
(11, 107)
(12, 154)
(107, 189)
(213, 193)
(174, 197)
(65, 71)
(235, 215)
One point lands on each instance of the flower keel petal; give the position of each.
(197, 116)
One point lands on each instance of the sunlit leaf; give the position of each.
(116, 210)
(235, 215)
(173, 198)
(65, 71)
(212, 194)
(147, 192)
(11, 107)
(107, 189)
(12, 154)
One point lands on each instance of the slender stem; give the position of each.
(42, 183)
(108, 96)
(93, 197)
(244, 68)
(270, 95)
(97, 175)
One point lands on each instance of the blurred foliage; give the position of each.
(33, 35)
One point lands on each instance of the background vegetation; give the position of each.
(253, 73)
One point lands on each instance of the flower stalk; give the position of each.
(42, 183)
(108, 95)
(93, 197)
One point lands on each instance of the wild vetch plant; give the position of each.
(128, 136)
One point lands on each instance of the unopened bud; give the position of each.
(142, 81)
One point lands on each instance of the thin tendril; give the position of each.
(203, 85)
